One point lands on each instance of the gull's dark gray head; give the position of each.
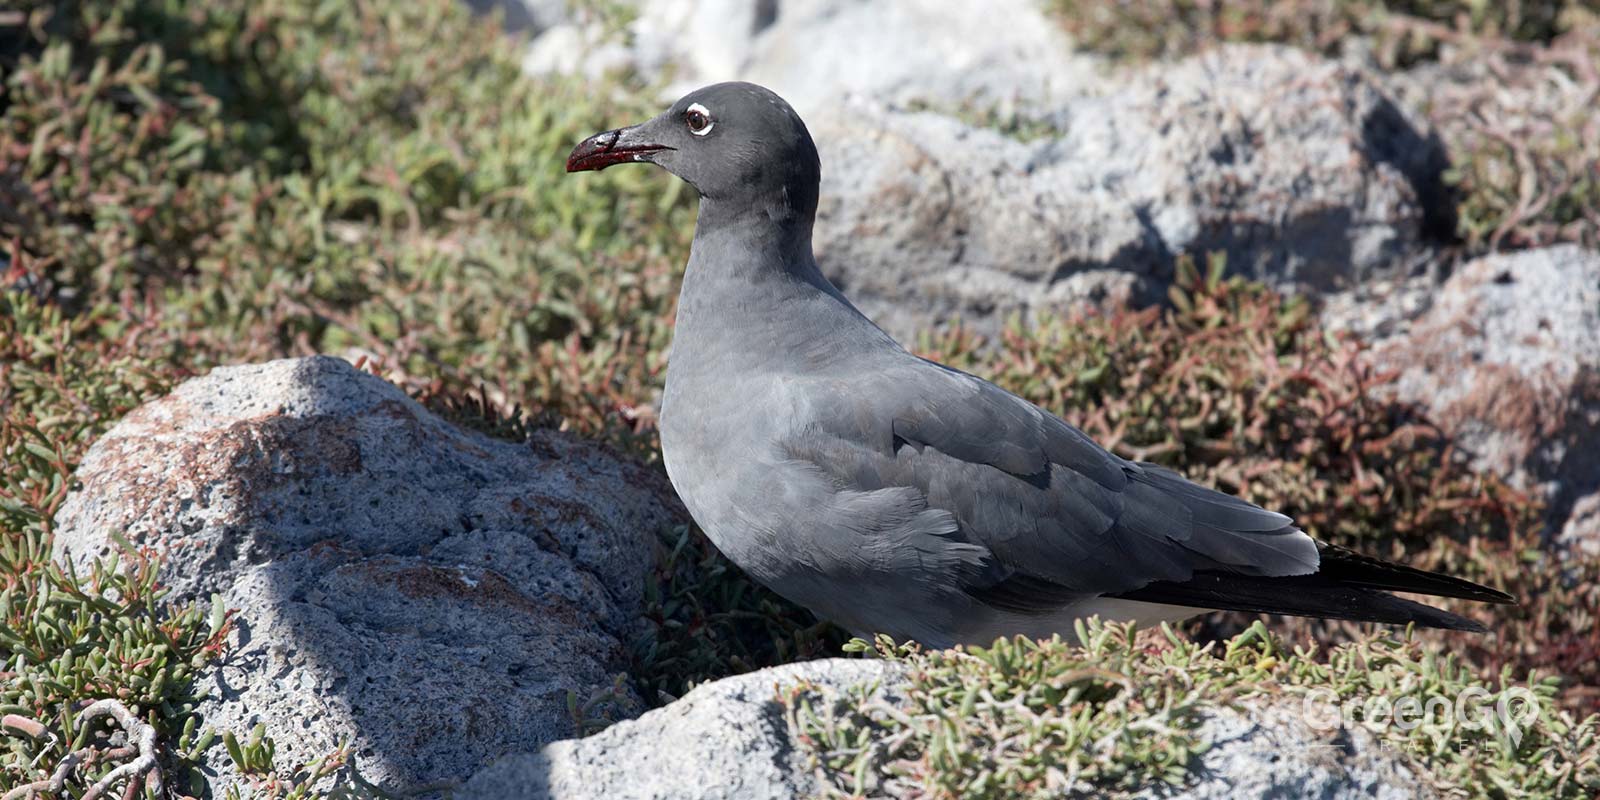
(737, 144)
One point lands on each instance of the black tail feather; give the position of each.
(1299, 596)
(1349, 568)
(1346, 586)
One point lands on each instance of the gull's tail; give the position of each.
(1347, 585)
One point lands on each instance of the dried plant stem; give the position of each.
(142, 770)
(52, 784)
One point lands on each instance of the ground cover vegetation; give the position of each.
(184, 184)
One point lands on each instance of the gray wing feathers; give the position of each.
(902, 535)
(1238, 536)
(883, 530)
(971, 419)
(1032, 498)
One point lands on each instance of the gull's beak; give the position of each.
(612, 147)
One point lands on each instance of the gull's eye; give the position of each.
(698, 118)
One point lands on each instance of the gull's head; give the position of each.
(733, 142)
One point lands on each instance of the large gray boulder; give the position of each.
(428, 593)
(1297, 168)
(1505, 355)
(730, 739)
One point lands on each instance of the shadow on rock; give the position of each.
(429, 594)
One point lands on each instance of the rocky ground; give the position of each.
(365, 593)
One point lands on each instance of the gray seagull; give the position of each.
(892, 494)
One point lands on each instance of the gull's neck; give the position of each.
(752, 292)
(766, 244)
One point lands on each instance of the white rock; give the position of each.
(726, 740)
(1298, 168)
(1507, 359)
(813, 52)
(430, 594)
(730, 740)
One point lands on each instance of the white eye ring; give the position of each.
(705, 114)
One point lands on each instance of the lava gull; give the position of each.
(892, 494)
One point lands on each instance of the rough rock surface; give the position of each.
(815, 51)
(1298, 168)
(729, 739)
(429, 593)
(1507, 358)
(1268, 750)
